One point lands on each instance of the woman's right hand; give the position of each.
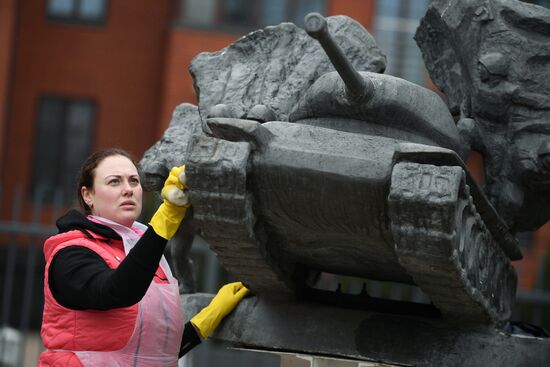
(228, 297)
(171, 212)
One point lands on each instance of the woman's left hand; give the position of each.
(171, 212)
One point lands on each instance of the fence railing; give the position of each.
(21, 272)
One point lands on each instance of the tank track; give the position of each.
(223, 210)
(443, 243)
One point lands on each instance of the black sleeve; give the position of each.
(190, 339)
(80, 279)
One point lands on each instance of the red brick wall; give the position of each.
(134, 67)
(360, 10)
(117, 64)
(183, 45)
(7, 34)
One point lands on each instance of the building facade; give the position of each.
(81, 75)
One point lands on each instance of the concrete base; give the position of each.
(304, 360)
(357, 335)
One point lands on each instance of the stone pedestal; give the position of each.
(362, 336)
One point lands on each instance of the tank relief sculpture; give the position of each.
(296, 169)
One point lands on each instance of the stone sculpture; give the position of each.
(236, 76)
(295, 169)
(491, 59)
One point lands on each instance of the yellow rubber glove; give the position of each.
(170, 213)
(222, 304)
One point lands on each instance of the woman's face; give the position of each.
(117, 192)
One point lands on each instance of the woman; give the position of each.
(107, 300)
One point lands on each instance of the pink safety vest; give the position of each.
(146, 334)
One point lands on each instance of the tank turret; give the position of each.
(387, 105)
(357, 87)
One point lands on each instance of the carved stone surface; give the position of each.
(279, 202)
(430, 231)
(289, 199)
(298, 177)
(274, 66)
(444, 244)
(362, 335)
(491, 59)
(171, 150)
(292, 173)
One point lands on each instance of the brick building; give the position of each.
(81, 75)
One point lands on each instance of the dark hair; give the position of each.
(87, 171)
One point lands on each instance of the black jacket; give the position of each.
(80, 279)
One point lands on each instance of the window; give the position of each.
(395, 25)
(62, 142)
(198, 12)
(246, 14)
(77, 11)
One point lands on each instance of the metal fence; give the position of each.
(21, 282)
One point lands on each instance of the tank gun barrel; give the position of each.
(357, 87)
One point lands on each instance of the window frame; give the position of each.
(220, 24)
(75, 17)
(60, 165)
(393, 29)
